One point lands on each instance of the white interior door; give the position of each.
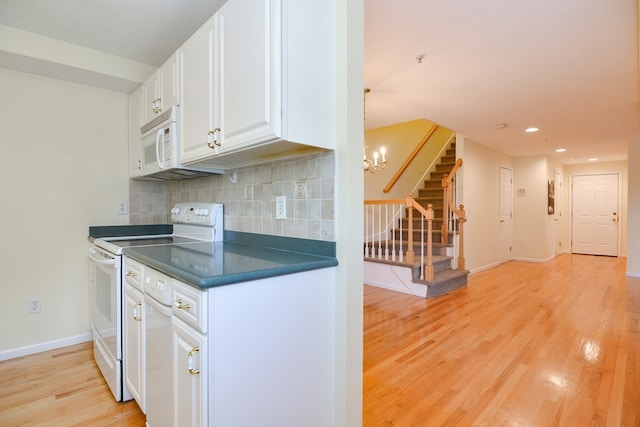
(595, 214)
(506, 204)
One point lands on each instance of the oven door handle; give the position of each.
(92, 253)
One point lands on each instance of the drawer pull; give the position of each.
(178, 304)
(190, 361)
(136, 312)
(131, 274)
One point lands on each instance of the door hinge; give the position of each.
(510, 249)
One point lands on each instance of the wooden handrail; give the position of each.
(453, 171)
(410, 159)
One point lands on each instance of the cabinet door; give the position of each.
(135, 146)
(134, 345)
(250, 73)
(167, 83)
(199, 108)
(148, 99)
(190, 376)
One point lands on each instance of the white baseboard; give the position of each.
(484, 267)
(45, 346)
(536, 260)
(633, 274)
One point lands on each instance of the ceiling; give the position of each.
(568, 67)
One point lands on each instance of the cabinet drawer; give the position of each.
(133, 272)
(190, 305)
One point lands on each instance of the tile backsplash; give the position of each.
(147, 202)
(249, 197)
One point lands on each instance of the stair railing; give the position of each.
(453, 218)
(380, 233)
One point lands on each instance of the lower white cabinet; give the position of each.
(257, 353)
(134, 344)
(190, 376)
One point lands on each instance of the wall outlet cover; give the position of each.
(281, 207)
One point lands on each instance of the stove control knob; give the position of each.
(206, 212)
(160, 286)
(175, 211)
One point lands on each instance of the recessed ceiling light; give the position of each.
(593, 159)
(560, 150)
(531, 130)
(501, 125)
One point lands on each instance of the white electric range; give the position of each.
(192, 223)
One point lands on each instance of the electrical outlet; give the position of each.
(248, 192)
(34, 306)
(123, 208)
(281, 207)
(301, 189)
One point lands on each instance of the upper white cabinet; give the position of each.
(135, 121)
(162, 89)
(199, 109)
(256, 75)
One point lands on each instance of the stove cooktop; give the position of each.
(117, 244)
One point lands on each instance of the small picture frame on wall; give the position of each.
(551, 188)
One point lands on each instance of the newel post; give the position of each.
(428, 269)
(444, 228)
(409, 205)
(462, 217)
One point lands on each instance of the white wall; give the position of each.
(63, 167)
(481, 188)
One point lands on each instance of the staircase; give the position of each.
(446, 279)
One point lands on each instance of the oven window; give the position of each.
(103, 294)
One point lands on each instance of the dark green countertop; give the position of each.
(206, 265)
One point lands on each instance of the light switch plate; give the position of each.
(281, 207)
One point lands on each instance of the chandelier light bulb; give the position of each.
(372, 166)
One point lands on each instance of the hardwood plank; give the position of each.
(61, 387)
(554, 344)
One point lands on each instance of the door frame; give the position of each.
(619, 207)
(500, 227)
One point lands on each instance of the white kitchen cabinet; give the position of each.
(266, 358)
(199, 110)
(134, 348)
(162, 89)
(257, 76)
(190, 376)
(135, 121)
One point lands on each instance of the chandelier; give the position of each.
(379, 161)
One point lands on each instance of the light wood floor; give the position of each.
(60, 388)
(535, 345)
(555, 344)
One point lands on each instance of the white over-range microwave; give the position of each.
(160, 150)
